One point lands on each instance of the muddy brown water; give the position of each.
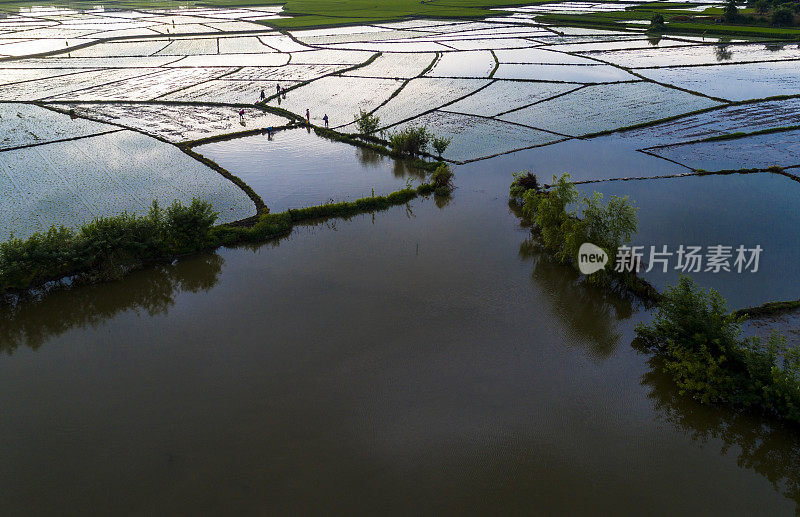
(426, 359)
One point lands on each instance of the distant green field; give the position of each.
(310, 13)
(328, 13)
(313, 13)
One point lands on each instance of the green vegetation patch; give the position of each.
(702, 349)
(564, 219)
(111, 247)
(696, 340)
(327, 13)
(106, 248)
(768, 309)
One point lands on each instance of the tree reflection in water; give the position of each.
(767, 447)
(589, 312)
(403, 169)
(400, 168)
(32, 322)
(722, 52)
(368, 156)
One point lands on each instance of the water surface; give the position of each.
(296, 169)
(424, 359)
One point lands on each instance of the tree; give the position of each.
(762, 6)
(565, 227)
(656, 23)
(701, 347)
(783, 16)
(698, 339)
(440, 144)
(366, 122)
(549, 212)
(411, 140)
(607, 225)
(730, 12)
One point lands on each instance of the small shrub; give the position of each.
(442, 180)
(111, 245)
(522, 182)
(441, 144)
(411, 140)
(188, 227)
(442, 191)
(367, 123)
(36, 259)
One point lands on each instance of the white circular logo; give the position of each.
(591, 258)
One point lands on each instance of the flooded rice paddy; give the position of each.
(428, 358)
(296, 168)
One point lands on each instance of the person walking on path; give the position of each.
(308, 116)
(241, 115)
(278, 89)
(325, 119)
(263, 95)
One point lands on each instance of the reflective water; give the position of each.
(748, 210)
(426, 359)
(295, 168)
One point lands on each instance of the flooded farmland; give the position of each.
(427, 358)
(295, 169)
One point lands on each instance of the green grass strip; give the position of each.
(110, 248)
(768, 309)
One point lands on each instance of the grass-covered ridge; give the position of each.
(109, 248)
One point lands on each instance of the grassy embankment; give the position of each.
(111, 247)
